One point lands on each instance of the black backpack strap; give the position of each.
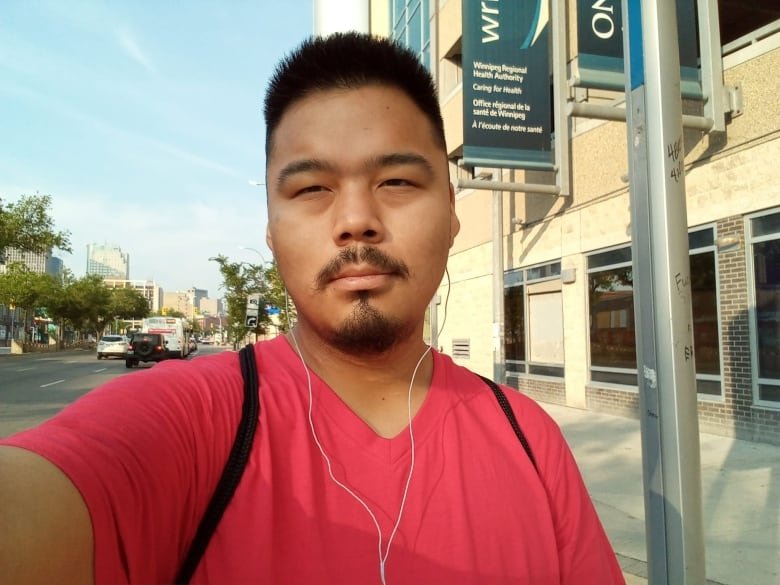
(234, 467)
(510, 415)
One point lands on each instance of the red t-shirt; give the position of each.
(146, 450)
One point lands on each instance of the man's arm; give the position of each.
(45, 528)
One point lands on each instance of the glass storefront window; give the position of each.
(514, 324)
(706, 335)
(611, 305)
(612, 333)
(765, 248)
(533, 322)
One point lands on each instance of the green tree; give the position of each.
(278, 298)
(239, 280)
(127, 304)
(27, 225)
(20, 287)
(169, 312)
(86, 304)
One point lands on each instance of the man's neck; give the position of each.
(375, 388)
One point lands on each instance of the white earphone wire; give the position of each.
(382, 555)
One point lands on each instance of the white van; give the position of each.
(175, 330)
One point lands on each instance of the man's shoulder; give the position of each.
(529, 413)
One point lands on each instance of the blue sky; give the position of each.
(143, 120)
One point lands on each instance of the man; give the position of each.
(376, 459)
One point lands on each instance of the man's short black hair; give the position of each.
(349, 61)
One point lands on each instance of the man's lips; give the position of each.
(363, 268)
(356, 278)
(359, 272)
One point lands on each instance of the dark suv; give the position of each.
(145, 347)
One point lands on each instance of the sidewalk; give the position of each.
(740, 497)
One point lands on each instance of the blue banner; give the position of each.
(600, 46)
(507, 114)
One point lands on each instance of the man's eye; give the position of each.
(396, 183)
(311, 189)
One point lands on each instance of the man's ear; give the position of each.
(454, 221)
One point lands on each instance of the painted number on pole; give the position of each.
(674, 153)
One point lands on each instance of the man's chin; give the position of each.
(366, 331)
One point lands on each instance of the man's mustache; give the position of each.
(364, 254)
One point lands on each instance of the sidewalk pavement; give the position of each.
(740, 497)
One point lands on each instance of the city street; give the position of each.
(35, 386)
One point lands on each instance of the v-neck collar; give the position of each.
(331, 411)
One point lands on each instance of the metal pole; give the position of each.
(559, 27)
(711, 63)
(433, 307)
(499, 366)
(496, 185)
(662, 296)
(618, 114)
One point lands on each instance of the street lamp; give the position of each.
(256, 251)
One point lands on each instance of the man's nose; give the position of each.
(357, 217)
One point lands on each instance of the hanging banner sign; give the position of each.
(506, 84)
(599, 61)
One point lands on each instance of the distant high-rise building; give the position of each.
(40, 262)
(178, 301)
(108, 261)
(211, 306)
(196, 296)
(54, 266)
(148, 288)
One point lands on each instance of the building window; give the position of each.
(764, 237)
(533, 321)
(450, 75)
(744, 19)
(410, 20)
(514, 327)
(611, 306)
(706, 324)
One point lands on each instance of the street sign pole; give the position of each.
(662, 296)
(252, 310)
(499, 361)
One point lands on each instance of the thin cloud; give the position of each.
(196, 160)
(62, 107)
(130, 46)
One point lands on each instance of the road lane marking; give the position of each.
(100, 370)
(52, 383)
(24, 369)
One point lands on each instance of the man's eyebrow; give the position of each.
(375, 162)
(302, 166)
(400, 158)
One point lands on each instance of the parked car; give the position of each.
(145, 347)
(112, 346)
